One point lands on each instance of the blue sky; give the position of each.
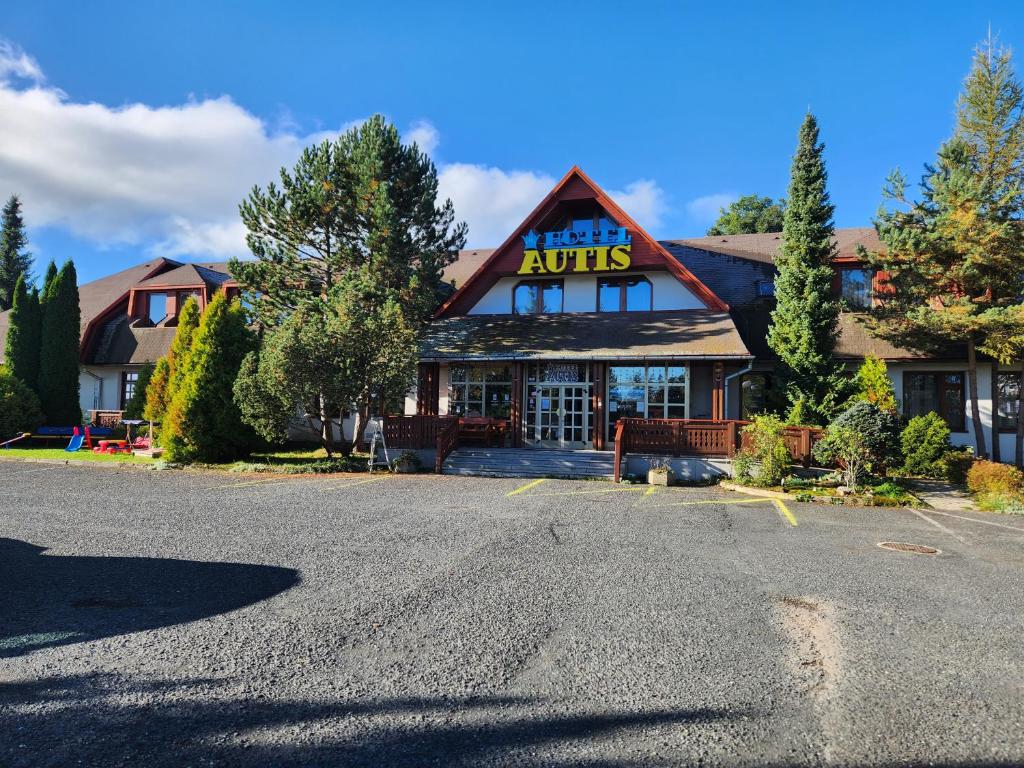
(134, 129)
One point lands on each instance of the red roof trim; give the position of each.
(681, 273)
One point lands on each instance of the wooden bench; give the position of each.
(489, 432)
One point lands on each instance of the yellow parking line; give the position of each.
(785, 511)
(651, 490)
(357, 482)
(528, 486)
(590, 493)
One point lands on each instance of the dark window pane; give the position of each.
(157, 307)
(638, 295)
(920, 394)
(525, 299)
(752, 395)
(856, 286)
(552, 298)
(457, 373)
(1009, 400)
(608, 296)
(953, 401)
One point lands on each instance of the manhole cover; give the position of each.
(900, 546)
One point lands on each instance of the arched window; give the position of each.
(624, 294)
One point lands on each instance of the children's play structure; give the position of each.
(13, 440)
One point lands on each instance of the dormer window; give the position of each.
(765, 289)
(855, 286)
(157, 307)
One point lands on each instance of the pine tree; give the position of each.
(203, 423)
(21, 354)
(358, 214)
(874, 385)
(806, 316)
(160, 389)
(954, 256)
(748, 215)
(15, 261)
(59, 350)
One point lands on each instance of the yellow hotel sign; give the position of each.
(597, 250)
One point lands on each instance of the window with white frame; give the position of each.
(480, 390)
(645, 392)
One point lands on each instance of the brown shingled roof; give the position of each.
(693, 334)
(467, 262)
(763, 247)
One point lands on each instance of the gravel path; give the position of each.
(178, 618)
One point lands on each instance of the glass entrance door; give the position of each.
(561, 418)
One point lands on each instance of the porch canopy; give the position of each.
(689, 334)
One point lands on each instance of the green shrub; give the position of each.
(888, 488)
(953, 465)
(849, 448)
(874, 385)
(925, 440)
(879, 437)
(993, 477)
(1005, 503)
(764, 460)
(19, 407)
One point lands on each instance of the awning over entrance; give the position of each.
(678, 334)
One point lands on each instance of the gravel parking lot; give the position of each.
(180, 618)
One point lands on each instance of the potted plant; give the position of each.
(660, 473)
(407, 463)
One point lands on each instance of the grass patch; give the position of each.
(297, 461)
(1003, 503)
(61, 455)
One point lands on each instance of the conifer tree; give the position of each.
(48, 280)
(806, 316)
(15, 261)
(874, 385)
(203, 423)
(59, 350)
(160, 388)
(21, 354)
(954, 256)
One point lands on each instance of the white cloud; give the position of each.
(704, 210)
(644, 200)
(492, 201)
(14, 62)
(169, 179)
(424, 134)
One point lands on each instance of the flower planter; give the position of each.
(655, 477)
(406, 467)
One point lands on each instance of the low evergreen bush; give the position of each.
(878, 430)
(765, 459)
(19, 407)
(987, 477)
(925, 440)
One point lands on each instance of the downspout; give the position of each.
(725, 382)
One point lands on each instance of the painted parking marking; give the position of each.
(528, 486)
(356, 482)
(589, 492)
(981, 522)
(263, 481)
(938, 525)
(781, 506)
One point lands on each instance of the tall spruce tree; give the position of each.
(15, 261)
(203, 423)
(59, 350)
(806, 316)
(357, 214)
(23, 332)
(953, 257)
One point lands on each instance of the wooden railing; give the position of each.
(414, 431)
(447, 441)
(694, 437)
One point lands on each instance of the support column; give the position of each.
(718, 391)
(598, 377)
(996, 453)
(516, 406)
(428, 391)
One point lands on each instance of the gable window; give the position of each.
(128, 381)
(1009, 401)
(157, 307)
(624, 294)
(855, 286)
(941, 393)
(537, 297)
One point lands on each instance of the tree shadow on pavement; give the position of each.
(106, 720)
(50, 600)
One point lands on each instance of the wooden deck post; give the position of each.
(730, 438)
(718, 391)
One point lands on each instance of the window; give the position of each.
(765, 289)
(128, 381)
(157, 307)
(1009, 401)
(480, 390)
(753, 394)
(942, 393)
(624, 294)
(855, 287)
(651, 392)
(537, 297)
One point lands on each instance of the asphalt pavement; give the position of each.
(184, 618)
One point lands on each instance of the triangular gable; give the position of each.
(575, 185)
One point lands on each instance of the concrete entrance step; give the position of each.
(527, 462)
